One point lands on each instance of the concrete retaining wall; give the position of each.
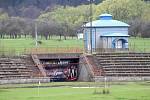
(83, 74)
(25, 81)
(120, 79)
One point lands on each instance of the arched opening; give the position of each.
(120, 43)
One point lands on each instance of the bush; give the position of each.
(105, 91)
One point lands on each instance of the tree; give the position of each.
(145, 32)
(134, 12)
(15, 7)
(3, 15)
(69, 18)
(14, 26)
(30, 12)
(135, 27)
(123, 10)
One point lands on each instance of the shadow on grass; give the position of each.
(2, 90)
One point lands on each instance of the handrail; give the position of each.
(37, 62)
(89, 65)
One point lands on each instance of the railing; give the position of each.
(54, 50)
(133, 47)
(39, 50)
(37, 62)
(110, 50)
(89, 67)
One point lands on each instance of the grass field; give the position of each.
(139, 44)
(20, 45)
(10, 46)
(125, 91)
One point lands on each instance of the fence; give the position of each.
(111, 50)
(39, 50)
(54, 50)
(133, 47)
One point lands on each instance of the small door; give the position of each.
(119, 44)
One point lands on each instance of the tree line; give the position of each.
(134, 12)
(67, 21)
(33, 8)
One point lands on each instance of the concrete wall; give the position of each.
(120, 79)
(25, 81)
(84, 72)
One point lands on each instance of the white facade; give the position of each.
(105, 42)
(114, 34)
(80, 36)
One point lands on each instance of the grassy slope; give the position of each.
(130, 91)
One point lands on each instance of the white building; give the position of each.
(80, 36)
(106, 34)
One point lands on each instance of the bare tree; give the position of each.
(30, 12)
(145, 32)
(135, 27)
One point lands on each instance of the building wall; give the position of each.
(100, 31)
(87, 39)
(107, 41)
(113, 30)
(97, 41)
(80, 36)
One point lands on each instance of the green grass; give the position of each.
(139, 44)
(127, 91)
(18, 46)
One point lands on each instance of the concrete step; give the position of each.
(123, 71)
(126, 66)
(126, 63)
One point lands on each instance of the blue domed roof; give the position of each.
(105, 20)
(105, 14)
(105, 17)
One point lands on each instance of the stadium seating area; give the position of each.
(16, 67)
(100, 64)
(123, 64)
